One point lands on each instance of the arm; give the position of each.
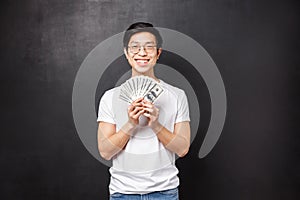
(111, 142)
(178, 141)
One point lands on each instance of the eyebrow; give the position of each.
(135, 42)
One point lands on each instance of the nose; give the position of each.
(142, 51)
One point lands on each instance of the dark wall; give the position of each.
(254, 44)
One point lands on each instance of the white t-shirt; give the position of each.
(145, 165)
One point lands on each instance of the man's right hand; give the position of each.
(135, 110)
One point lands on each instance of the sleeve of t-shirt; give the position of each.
(105, 113)
(182, 108)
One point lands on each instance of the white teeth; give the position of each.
(142, 61)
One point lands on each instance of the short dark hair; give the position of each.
(141, 27)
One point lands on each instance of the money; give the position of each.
(140, 86)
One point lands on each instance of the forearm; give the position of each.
(113, 144)
(173, 142)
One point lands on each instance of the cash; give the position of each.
(140, 86)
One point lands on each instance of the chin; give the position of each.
(142, 70)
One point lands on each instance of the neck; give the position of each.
(148, 73)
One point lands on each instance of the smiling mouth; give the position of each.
(142, 61)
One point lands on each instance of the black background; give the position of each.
(255, 45)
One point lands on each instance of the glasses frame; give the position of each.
(140, 47)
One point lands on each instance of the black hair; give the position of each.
(141, 27)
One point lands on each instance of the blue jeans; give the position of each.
(171, 194)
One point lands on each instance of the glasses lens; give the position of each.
(136, 49)
(149, 48)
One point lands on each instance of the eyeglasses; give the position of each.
(136, 48)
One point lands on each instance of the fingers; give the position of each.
(149, 110)
(135, 110)
(141, 106)
(147, 114)
(136, 116)
(147, 103)
(130, 108)
(136, 104)
(139, 100)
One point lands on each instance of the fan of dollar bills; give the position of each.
(140, 86)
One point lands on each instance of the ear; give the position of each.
(159, 52)
(125, 52)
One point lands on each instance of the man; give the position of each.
(144, 156)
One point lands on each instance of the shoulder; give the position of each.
(109, 95)
(173, 90)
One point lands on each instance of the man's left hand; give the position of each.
(152, 113)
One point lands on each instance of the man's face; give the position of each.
(142, 52)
